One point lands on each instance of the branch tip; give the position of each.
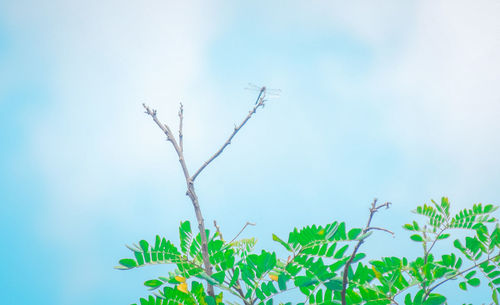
(259, 103)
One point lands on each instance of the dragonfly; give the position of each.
(263, 91)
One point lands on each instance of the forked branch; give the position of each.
(373, 209)
(241, 231)
(170, 137)
(190, 192)
(179, 149)
(259, 103)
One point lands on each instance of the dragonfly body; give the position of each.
(263, 92)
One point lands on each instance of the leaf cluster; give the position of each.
(318, 257)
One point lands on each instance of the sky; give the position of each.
(394, 99)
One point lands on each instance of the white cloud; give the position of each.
(446, 81)
(433, 79)
(93, 140)
(106, 58)
(438, 60)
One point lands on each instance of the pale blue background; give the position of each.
(391, 99)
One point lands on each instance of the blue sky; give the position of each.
(395, 100)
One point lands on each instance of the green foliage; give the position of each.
(323, 262)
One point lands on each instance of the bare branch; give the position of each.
(259, 103)
(241, 231)
(374, 208)
(190, 192)
(179, 149)
(181, 117)
(170, 137)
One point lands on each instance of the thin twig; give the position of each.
(380, 229)
(458, 274)
(374, 208)
(181, 117)
(241, 231)
(217, 228)
(434, 242)
(170, 137)
(260, 103)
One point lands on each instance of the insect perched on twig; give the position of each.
(263, 91)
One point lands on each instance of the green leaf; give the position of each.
(139, 258)
(303, 281)
(210, 300)
(358, 257)
(335, 284)
(153, 283)
(462, 285)
(445, 204)
(283, 243)
(418, 297)
(353, 233)
(408, 227)
(472, 244)
(185, 236)
(470, 274)
(417, 238)
(458, 245)
(235, 277)
(259, 294)
(282, 279)
(408, 299)
(128, 263)
(443, 236)
(474, 282)
(435, 299)
(207, 278)
(340, 252)
(219, 276)
(144, 245)
(496, 281)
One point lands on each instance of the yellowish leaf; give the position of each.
(378, 275)
(183, 287)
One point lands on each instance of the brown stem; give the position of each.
(191, 193)
(259, 103)
(374, 208)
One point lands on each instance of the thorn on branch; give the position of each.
(217, 228)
